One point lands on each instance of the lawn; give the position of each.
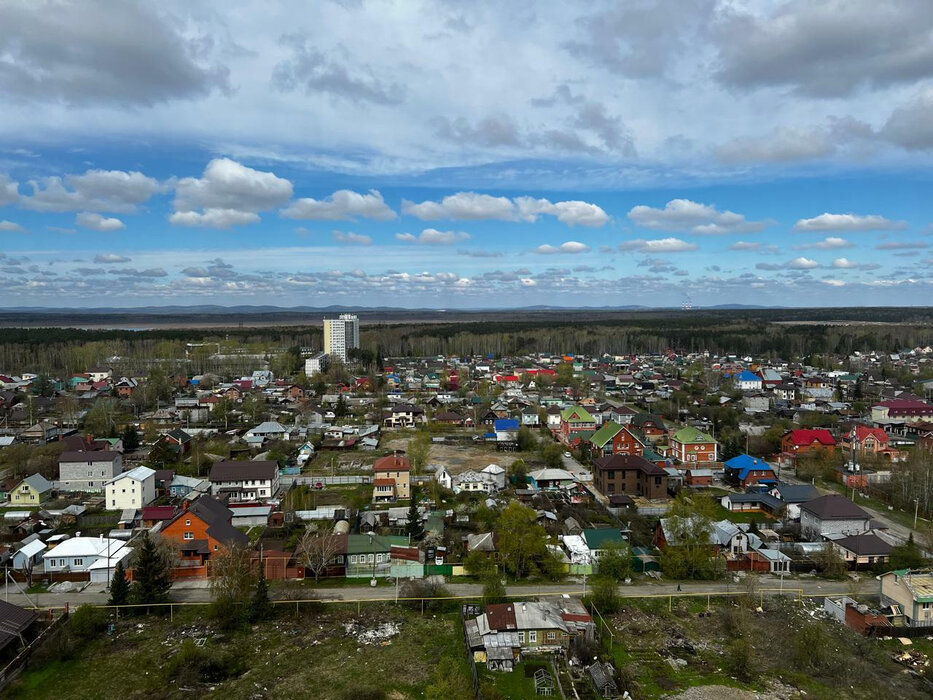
(328, 653)
(511, 686)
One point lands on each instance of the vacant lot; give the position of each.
(386, 652)
(786, 650)
(459, 457)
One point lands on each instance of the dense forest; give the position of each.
(785, 334)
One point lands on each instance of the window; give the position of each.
(188, 522)
(79, 562)
(551, 636)
(521, 637)
(189, 535)
(378, 558)
(533, 636)
(370, 559)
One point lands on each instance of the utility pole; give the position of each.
(916, 511)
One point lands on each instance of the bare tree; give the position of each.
(317, 550)
(231, 584)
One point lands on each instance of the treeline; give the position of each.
(706, 332)
(743, 332)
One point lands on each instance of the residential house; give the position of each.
(631, 475)
(130, 490)
(551, 479)
(31, 491)
(500, 635)
(754, 502)
(793, 496)
(651, 426)
(270, 430)
(912, 593)
(832, 515)
(27, 556)
(88, 471)
(747, 381)
(245, 481)
(575, 419)
(615, 439)
(864, 550)
(96, 555)
(690, 445)
(868, 441)
(200, 529)
(178, 439)
(370, 555)
(506, 429)
(182, 486)
(744, 471)
(474, 482)
(799, 442)
(391, 478)
(698, 477)
(903, 409)
(405, 415)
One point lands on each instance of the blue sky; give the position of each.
(435, 154)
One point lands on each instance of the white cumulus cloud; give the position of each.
(227, 194)
(341, 205)
(693, 217)
(848, 222)
(95, 221)
(658, 245)
(571, 247)
(473, 206)
(431, 236)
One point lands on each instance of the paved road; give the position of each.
(95, 595)
(578, 470)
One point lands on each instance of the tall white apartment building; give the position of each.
(341, 335)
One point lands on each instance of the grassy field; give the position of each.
(387, 652)
(777, 650)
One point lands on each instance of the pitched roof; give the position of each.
(598, 538)
(392, 463)
(13, 621)
(576, 414)
(240, 471)
(743, 464)
(834, 507)
(608, 431)
(691, 435)
(38, 483)
(867, 544)
(626, 463)
(217, 517)
(808, 437)
(796, 493)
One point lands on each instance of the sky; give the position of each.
(466, 155)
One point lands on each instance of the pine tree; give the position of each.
(259, 607)
(119, 586)
(152, 576)
(413, 527)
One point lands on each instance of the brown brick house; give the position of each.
(631, 475)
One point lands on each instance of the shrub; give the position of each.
(87, 622)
